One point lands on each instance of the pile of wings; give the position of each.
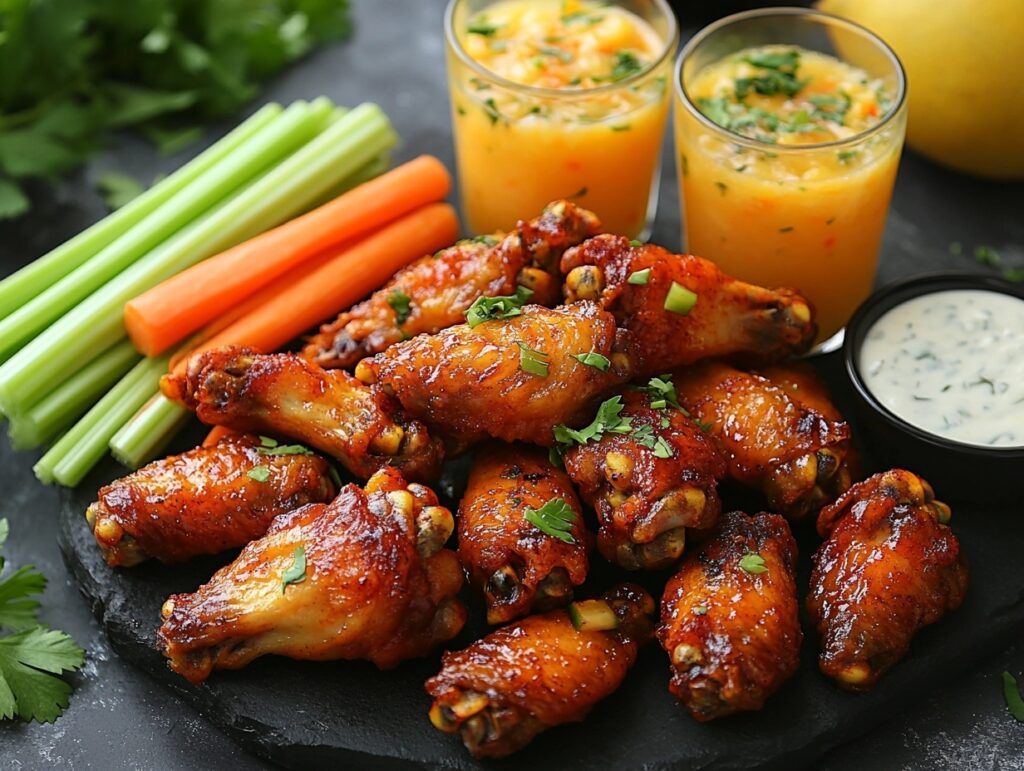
(606, 388)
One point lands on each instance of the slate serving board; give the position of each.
(319, 715)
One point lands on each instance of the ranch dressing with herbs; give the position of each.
(952, 363)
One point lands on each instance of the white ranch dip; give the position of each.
(952, 363)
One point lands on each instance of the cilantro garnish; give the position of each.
(258, 473)
(595, 360)
(555, 518)
(270, 446)
(482, 28)
(626, 65)
(501, 307)
(295, 574)
(533, 361)
(607, 420)
(401, 304)
(753, 563)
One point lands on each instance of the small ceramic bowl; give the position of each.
(957, 471)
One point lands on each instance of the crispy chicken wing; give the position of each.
(537, 673)
(511, 379)
(203, 501)
(642, 285)
(890, 566)
(438, 289)
(778, 431)
(729, 617)
(284, 394)
(648, 484)
(365, 577)
(520, 567)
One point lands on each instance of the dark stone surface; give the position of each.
(927, 717)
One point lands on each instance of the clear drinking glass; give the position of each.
(805, 216)
(519, 147)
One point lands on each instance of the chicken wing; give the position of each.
(778, 431)
(519, 566)
(890, 566)
(729, 617)
(204, 501)
(682, 308)
(433, 293)
(284, 394)
(537, 673)
(511, 379)
(365, 577)
(650, 483)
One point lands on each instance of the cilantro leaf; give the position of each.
(752, 563)
(28, 661)
(500, 307)
(401, 304)
(607, 420)
(295, 574)
(284, 449)
(555, 518)
(13, 201)
(118, 189)
(595, 360)
(17, 610)
(533, 361)
(258, 473)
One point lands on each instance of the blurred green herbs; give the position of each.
(74, 69)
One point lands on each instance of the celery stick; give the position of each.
(266, 147)
(148, 431)
(85, 443)
(338, 152)
(18, 288)
(72, 397)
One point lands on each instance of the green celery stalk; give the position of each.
(85, 443)
(281, 136)
(148, 431)
(18, 288)
(72, 397)
(346, 146)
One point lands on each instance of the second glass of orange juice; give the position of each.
(789, 127)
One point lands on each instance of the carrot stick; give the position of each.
(338, 282)
(172, 310)
(216, 434)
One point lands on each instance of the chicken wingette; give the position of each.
(682, 308)
(331, 411)
(433, 293)
(364, 577)
(729, 617)
(890, 566)
(539, 672)
(650, 474)
(521, 533)
(205, 500)
(510, 378)
(776, 428)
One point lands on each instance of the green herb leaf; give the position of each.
(266, 441)
(663, 392)
(1014, 702)
(482, 28)
(401, 304)
(17, 610)
(501, 307)
(635, 243)
(753, 563)
(28, 662)
(847, 156)
(680, 299)
(700, 610)
(296, 574)
(662, 449)
(787, 61)
(581, 17)
(285, 449)
(118, 189)
(559, 53)
(491, 110)
(607, 420)
(555, 518)
(986, 255)
(639, 277)
(626, 65)
(258, 473)
(595, 360)
(533, 361)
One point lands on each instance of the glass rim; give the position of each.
(667, 52)
(691, 45)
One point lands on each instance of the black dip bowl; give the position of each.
(957, 471)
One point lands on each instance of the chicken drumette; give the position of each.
(329, 410)
(520, 566)
(539, 672)
(682, 308)
(433, 293)
(778, 431)
(729, 617)
(510, 378)
(204, 501)
(365, 577)
(649, 476)
(890, 566)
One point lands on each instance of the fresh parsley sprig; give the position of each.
(500, 307)
(556, 518)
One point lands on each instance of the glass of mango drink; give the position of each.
(788, 128)
(559, 99)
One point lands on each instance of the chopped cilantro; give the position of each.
(533, 361)
(482, 28)
(555, 518)
(258, 473)
(753, 563)
(296, 573)
(592, 359)
(401, 304)
(500, 307)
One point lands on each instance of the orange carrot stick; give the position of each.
(174, 309)
(343, 279)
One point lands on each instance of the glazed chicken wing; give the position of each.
(365, 577)
(538, 672)
(729, 617)
(433, 293)
(890, 566)
(519, 566)
(650, 483)
(284, 394)
(512, 379)
(203, 501)
(778, 431)
(682, 308)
